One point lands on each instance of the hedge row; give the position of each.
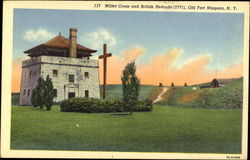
(89, 105)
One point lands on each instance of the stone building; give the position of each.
(67, 63)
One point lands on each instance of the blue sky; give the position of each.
(219, 35)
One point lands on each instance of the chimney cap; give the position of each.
(73, 29)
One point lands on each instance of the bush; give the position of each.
(102, 106)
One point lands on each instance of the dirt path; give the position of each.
(164, 90)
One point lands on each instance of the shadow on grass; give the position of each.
(121, 114)
(39, 109)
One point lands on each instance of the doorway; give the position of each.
(71, 95)
(86, 93)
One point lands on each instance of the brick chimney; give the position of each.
(73, 42)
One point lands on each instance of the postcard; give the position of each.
(117, 79)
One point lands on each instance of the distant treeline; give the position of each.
(15, 98)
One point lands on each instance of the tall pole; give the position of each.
(104, 70)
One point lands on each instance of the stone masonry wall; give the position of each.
(66, 66)
(30, 73)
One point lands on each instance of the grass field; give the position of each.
(229, 96)
(165, 129)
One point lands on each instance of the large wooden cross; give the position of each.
(104, 57)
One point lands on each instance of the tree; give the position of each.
(130, 86)
(40, 92)
(43, 94)
(34, 97)
(49, 93)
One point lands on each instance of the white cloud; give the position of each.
(38, 35)
(97, 38)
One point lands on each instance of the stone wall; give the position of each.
(65, 66)
(31, 70)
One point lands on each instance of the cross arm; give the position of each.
(105, 55)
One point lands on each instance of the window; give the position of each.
(35, 73)
(24, 92)
(86, 74)
(86, 93)
(55, 73)
(30, 74)
(28, 92)
(55, 92)
(71, 95)
(71, 78)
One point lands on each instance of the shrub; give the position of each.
(90, 105)
(144, 105)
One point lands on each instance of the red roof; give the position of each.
(60, 42)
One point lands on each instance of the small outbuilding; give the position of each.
(214, 83)
(160, 84)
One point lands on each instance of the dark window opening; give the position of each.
(55, 73)
(55, 92)
(30, 74)
(24, 92)
(28, 92)
(71, 95)
(86, 94)
(86, 74)
(35, 73)
(71, 78)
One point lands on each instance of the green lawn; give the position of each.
(165, 129)
(229, 96)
